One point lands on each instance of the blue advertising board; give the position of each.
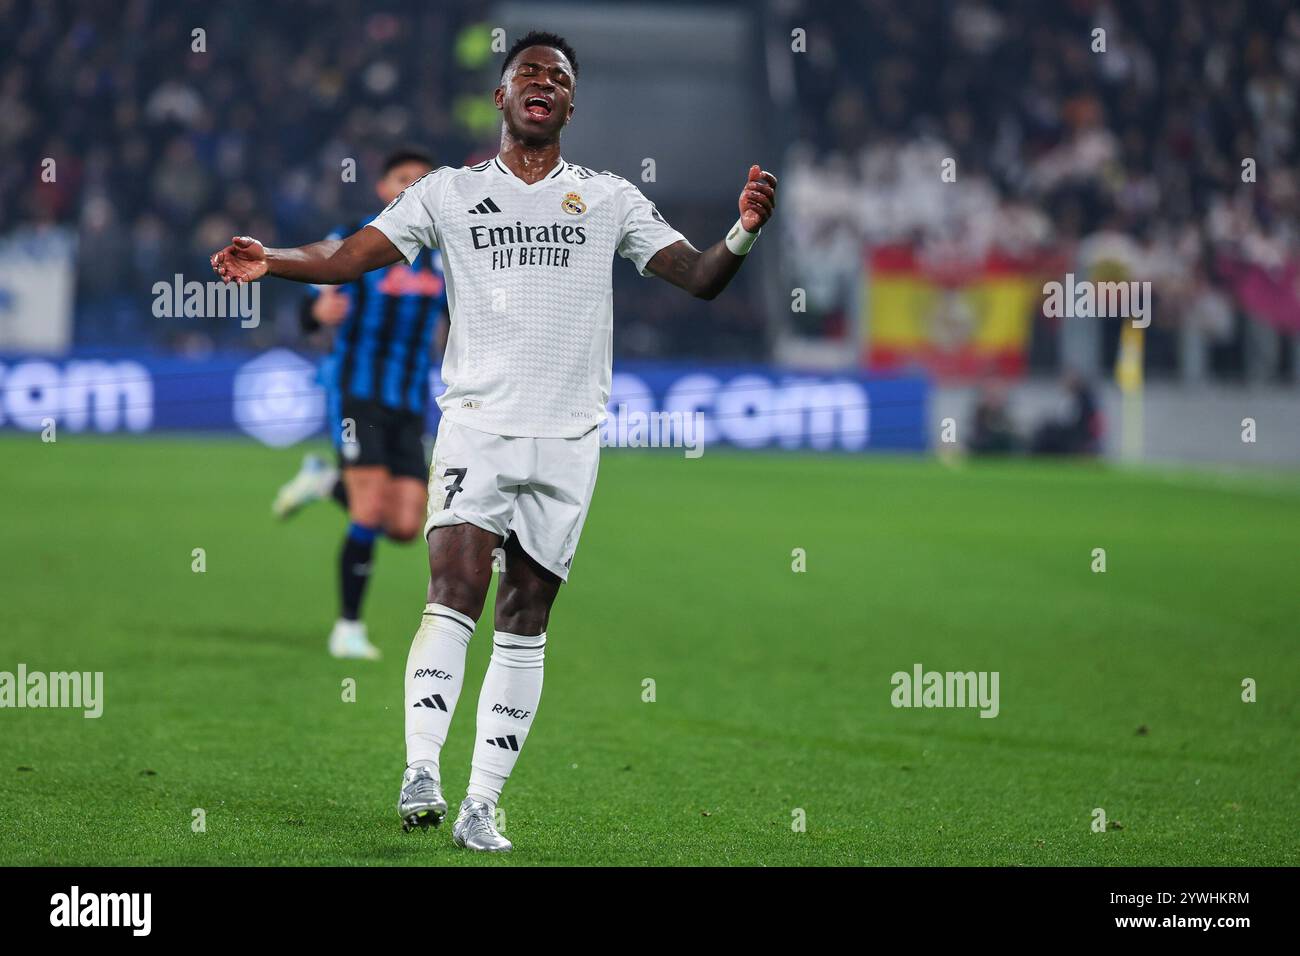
(276, 398)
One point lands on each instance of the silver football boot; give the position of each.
(475, 829)
(420, 803)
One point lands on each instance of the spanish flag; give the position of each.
(963, 319)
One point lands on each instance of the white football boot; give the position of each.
(349, 640)
(420, 803)
(314, 481)
(475, 829)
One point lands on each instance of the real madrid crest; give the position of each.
(573, 204)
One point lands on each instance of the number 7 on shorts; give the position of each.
(455, 486)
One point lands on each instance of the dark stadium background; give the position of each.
(878, 288)
(163, 153)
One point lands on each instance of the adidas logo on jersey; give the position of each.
(485, 207)
(433, 702)
(507, 742)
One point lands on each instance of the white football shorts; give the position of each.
(539, 488)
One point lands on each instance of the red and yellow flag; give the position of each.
(955, 320)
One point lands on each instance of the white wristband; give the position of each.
(739, 241)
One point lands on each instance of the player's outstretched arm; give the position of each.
(705, 274)
(328, 262)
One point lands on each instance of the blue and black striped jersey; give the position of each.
(382, 349)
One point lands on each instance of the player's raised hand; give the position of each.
(757, 199)
(244, 260)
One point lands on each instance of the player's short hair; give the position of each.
(541, 38)
(408, 154)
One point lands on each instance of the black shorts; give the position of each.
(390, 438)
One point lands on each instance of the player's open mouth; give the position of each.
(538, 107)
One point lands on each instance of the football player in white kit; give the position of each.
(527, 241)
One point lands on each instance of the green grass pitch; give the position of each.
(1119, 691)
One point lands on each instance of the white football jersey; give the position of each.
(529, 273)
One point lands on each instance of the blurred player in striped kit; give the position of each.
(377, 379)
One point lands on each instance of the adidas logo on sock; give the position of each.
(433, 701)
(507, 742)
(485, 207)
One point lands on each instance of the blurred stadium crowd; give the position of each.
(1133, 156)
(163, 152)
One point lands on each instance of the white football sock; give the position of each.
(435, 674)
(506, 706)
